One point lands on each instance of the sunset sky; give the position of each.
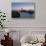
(26, 6)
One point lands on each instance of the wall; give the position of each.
(40, 14)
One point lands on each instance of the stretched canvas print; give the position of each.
(23, 10)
